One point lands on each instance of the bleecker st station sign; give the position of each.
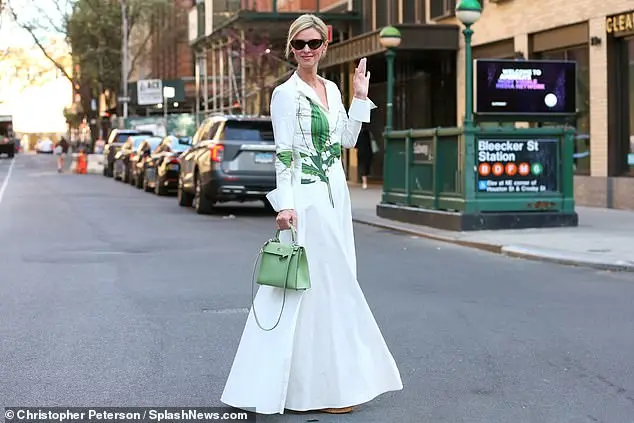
(517, 165)
(504, 150)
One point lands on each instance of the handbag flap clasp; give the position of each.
(279, 249)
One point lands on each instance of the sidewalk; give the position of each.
(604, 238)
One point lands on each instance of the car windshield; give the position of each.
(248, 131)
(154, 142)
(178, 144)
(138, 139)
(123, 136)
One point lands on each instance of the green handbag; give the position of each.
(283, 266)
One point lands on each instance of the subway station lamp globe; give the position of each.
(468, 11)
(390, 37)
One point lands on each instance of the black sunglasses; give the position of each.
(312, 44)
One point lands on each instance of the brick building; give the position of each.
(170, 51)
(599, 36)
(170, 57)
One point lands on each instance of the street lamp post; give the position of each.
(168, 92)
(468, 12)
(124, 58)
(390, 38)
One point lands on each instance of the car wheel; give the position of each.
(202, 204)
(159, 189)
(185, 199)
(109, 169)
(146, 185)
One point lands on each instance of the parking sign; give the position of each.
(149, 91)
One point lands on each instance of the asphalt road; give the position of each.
(110, 296)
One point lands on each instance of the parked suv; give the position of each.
(115, 140)
(232, 158)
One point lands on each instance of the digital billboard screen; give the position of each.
(525, 87)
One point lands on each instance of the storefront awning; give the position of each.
(413, 37)
(273, 26)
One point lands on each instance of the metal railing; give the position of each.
(425, 168)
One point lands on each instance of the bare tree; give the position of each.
(54, 23)
(44, 25)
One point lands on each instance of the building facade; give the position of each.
(425, 70)
(599, 37)
(160, 50)
(429, 67)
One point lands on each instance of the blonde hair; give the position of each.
(302, 23)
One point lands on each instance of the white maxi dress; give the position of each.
(327, 351)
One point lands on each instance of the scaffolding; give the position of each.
(237, 74)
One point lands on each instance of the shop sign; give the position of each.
(423, 150)
(517, 165)
(620, 24)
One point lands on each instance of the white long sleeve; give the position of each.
(283, 119)
(359, 112)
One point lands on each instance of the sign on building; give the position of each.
(149, 91)
(518, 165)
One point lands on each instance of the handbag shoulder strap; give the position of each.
(255, 315)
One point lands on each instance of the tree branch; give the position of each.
(140, 50)
(37, 41)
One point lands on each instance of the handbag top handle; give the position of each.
(293, 233)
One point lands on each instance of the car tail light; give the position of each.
(217, 152)
(175, 161)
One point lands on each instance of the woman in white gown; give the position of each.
(327, 352)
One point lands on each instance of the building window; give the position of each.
(626, 160)
(411, 12)
(621, 106)
(441, 8)
(581, 56)
(393, 11)
(381, 17)
(201, 18)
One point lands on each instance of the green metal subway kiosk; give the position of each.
(509, 166)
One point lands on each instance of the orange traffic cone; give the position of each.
(82, 164)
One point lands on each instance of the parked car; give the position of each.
(139, 160)
(7, 146)
(121, 169)
(231, 159)
(163, 167)
(116, 139)
(45, 146)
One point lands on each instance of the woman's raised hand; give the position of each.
(361, 80)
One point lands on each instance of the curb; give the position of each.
(566, 258)
(493, 248)
(516, 251)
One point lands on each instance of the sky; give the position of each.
(11, 35)
(29, 103)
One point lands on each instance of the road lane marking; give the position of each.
(6, 180)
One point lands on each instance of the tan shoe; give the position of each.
(343, 410)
